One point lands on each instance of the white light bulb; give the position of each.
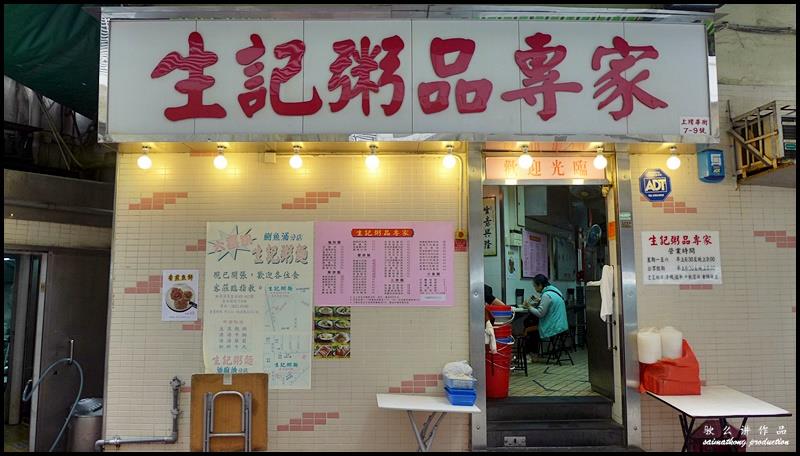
(144, 162)
(525, 161)
(449, 161)
(372, 162)
(673, 162)
(600, 162)
(220, 162)
(296, 161)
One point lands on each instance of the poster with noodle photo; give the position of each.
(179, 296)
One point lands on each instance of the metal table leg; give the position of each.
(686, 428)
(425, 436)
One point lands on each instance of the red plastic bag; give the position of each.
(672, 377)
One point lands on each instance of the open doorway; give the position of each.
(21, 277)
(563, 387)
(558, 232)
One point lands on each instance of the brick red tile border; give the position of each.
(780, 238)
(199, 246)
(308, 421)
(157, 201)
(311, 200)
(193, 326)
(151, 285)
(670, 206)
(419, 384)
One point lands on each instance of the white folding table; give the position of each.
(433, 404)
(718, 402)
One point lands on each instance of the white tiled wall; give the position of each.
(34, 233)
(389, 345)
(743, 331)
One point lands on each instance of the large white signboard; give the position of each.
(681, 257)
(258, 300)
(190, 78)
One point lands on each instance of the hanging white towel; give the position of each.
(606, 284)
(489, 338)
(607, 293)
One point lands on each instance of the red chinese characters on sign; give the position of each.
(366, 63)
(680, 240)
(294, 50)
(382, 232)
(254, 100)
(480, 89)
(614, 79)
(362, 68)
(197, 82)
(538, 65)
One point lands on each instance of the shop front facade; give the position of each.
(285, 84)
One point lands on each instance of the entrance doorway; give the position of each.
(562, 386)
(55, 306)
(21, 277)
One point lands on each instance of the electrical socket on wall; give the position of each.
(516, 441)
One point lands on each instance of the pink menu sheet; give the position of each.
(534, 254)
(384, 264)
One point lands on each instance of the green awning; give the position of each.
(54, 50)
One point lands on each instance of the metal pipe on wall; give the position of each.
(176, 384)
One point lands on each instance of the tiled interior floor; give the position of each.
(15, 438)
(563, 380)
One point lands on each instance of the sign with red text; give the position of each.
(384, 264)
(681, 257)
(534, 254)
(191, 78)
(566, 168)
(259, 286)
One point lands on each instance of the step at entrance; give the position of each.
(553, 423)
(548, 408)
(556, 433)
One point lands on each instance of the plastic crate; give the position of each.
(460, 383)
(461, 396)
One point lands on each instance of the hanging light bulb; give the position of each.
(600, 161)
(296, 161)
(144, 160)
(220, 162)
(449, 160)
(525, 160)
(372, 160)
(673, 162)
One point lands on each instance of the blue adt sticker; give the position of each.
(655, 185)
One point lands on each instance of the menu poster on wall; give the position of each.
(566, 259)
(489, 226)
(382, 264)
(179, 294)
(259, 286)
(332, 332)
(681, 257)
(534, 254)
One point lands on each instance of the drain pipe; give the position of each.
(176, 384)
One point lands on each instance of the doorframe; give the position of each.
(629, 321)
(44, 254)
(620, 180)
(19, 314)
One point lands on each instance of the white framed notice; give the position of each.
(681, 258)
(180, 295)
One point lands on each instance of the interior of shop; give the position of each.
(559, 231)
